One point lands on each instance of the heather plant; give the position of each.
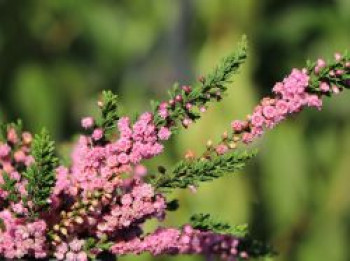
(97, 206)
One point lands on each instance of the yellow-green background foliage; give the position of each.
(56, 56)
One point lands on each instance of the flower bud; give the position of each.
(224, 135)
(79, 220)
(178, 98)
(338, 57)
(56, 227)
(209, 143)
(232, 145)
(64, 231)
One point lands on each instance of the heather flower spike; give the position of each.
(99, 204)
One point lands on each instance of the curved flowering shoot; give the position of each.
(190, 241)
(328, 78)
(254, 248)
(299, 90)
(41, 174)
(191, 172)
(187, 102)
(14, 159)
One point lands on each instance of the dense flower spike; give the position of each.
(99, 204)
(171, 241)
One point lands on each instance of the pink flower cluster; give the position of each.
(19, 238)
(134, 208)
(184, 103)
(71, 251)
(101, 202)
(291, 96)
(97, 166)
(171, 241)
(14, 155)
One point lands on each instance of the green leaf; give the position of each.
(205, 222)
(109, 111)
(191, 173)
(41, 175)
(9, 185)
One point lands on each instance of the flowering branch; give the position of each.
(99, 204)
(186, 103)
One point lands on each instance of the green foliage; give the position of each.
(253, 247)
(41, 174)
(324, 74)
(109, 111)
(172, 205)
(91, 243)
(211, 88)
(205, 222)
(9, 185)
(228, 66)
(192, 172)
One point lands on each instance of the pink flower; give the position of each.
(123, 158)
(321, 63)
(164, 133)
(27, 138)
(338, 57)
(163, 113)
(257, 119)
(238, 126)
(186, 122)
(269, 112)
(221, 149)
(4, 150)
(140, 171)
(87, 122)
(324, 87)
(314, 101)
(335, 89)
(97, 134)
(282, 107)
(247, 137)
(82, 256)
(76, 245)
(12, 136)
(19, 156)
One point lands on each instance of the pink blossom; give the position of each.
(140, 171)
(282, 107)
(257, 120)
(4, 150)
(269, 112)
(221, 149)
(164, 133)
(324, 87)
(238, 125)
(87, 122)
(97, 134)
(338, 57)
(123, 158)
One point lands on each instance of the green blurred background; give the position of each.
(57, 55)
